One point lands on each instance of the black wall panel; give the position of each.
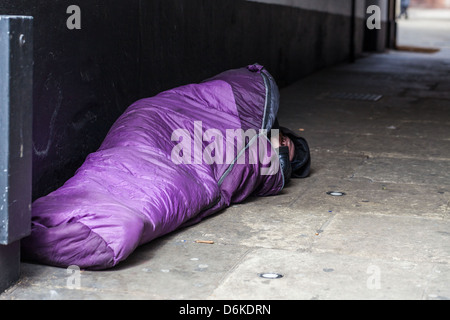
(83, 80)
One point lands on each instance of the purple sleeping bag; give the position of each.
(148, 177)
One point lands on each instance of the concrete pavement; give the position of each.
(388, 237)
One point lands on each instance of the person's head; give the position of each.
(299, 155)
(287, 142)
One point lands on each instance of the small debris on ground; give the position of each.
(204, 241)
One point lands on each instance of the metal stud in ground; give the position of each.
(336, 193)
(271, 275)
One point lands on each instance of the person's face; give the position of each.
(287, 142)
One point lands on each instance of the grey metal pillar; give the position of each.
(16, 85)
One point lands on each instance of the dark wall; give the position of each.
(126, 50)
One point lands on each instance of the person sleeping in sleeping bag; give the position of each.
(144, 181)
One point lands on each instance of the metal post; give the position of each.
(16, 85)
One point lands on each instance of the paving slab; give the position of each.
(168, 269)
(365, 197)
(257, 225)
(410, 239)
(406, 171)
(323, 276)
